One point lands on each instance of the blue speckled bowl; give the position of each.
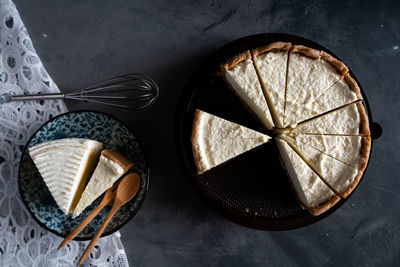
(80, 124)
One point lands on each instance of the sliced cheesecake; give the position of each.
(352, 150)
(340, 177)
(215, 140)
(240, 75)
(271, 65)
(65, 166)
(344, 91)
(111, 166)
(310, 190)
(347, 120)
(310, 73)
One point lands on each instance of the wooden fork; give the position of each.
(108, 197)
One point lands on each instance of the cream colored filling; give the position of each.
(105, 175)
(345, 120)
(338, 175)
(307, 79)
(272, 67)
(243, 79)
(310, 189)
(63, 165)
(343, 148)
(219, 140)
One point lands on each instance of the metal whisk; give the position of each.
(132, 91)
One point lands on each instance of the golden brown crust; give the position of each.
(339, 65)
(315, 211)
(194, 139)
(118, 157)
(353, 185)
(307, 51)
(353, 85)
(277, 46)
(236, 60)
(324, 206)
(365, 151)
(316, 54)
(364, 125)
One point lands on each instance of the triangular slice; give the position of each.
(344, 91)
(310, 73)
(352, 150)
(271, 66)
(340, 177)
(65, 166)
(112, 165)
(311, 191)
(215, 140)
(347, 120)
(240, 75)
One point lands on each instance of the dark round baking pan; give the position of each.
(252, 189)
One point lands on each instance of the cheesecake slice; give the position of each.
(111, 166)
(347, 120)
(352, 150)
(240, 75)
(310, 190)
(340, 177)
(65, 166)
(215, 140)
(310, 73)
(344, 91)
(271, 65)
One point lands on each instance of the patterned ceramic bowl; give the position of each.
(80, 124)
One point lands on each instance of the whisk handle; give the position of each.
(5, 98)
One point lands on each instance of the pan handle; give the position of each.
(376, 130)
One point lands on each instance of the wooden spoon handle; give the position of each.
(83, 224)
(93, 242)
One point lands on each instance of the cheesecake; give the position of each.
(216, 140)
(340, 177)
(240, 74)
(111, 166)
(310, 73)
(65, 166)
(311, 191)
(341, 93)
(352, 150)
(315, 110)
(271, 65)
(347, 120)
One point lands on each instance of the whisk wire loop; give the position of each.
(133, 91)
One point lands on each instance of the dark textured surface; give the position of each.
(87, 41)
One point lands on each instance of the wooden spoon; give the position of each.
(108, 197)
(126, 190)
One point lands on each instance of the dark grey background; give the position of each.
(81, 42)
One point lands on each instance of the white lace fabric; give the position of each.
(22, 241)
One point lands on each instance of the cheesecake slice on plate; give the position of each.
(241, 77)
(271, 65)
(65, 166)
(111, 166)
(216, 140)
(310, 190)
